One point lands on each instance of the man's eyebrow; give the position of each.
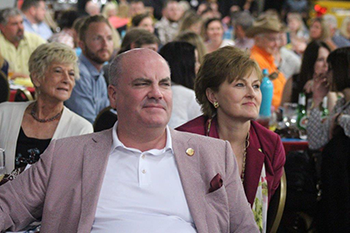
(141, 80)
(167, 79)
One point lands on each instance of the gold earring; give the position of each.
(216, 104)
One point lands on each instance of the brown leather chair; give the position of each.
(4, 88)
(276, 206)
(105, 119)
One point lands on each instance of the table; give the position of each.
(292, 144)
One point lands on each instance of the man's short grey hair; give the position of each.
(6, 13)
(331, 20)
(244, 19)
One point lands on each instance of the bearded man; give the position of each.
(89, 95)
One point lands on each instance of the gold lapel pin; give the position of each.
(260, 149)
(190, 152)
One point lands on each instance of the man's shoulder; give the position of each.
(205, 141)
(81, 140)
(33, 38)
(162, 23)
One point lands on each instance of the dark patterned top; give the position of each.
(28, 150)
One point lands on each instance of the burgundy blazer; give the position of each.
(265, 147)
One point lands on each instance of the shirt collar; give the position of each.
(92, 69)
(263, 52)
(118, 144)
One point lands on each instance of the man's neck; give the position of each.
(143, 140)
(95, 64)
(30, 19)
(15, 43)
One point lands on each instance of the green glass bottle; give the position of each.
(325, 112)
(302, 117)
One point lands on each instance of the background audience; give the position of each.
(34, 14)
(214, 31)
(334, 134)
(16, 44)
(195, 40)
(182, 58)
(314, 63)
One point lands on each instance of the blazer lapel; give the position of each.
(192, 182)
(254, 164)
(96, 154)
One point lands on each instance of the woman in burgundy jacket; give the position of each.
(228, 89)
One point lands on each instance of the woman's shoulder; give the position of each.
(196, 125)
(76, 120)
(264, 133)
(7, 106)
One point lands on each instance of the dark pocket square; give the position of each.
(215, 183)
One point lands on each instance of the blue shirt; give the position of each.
(340, 41)
(42, 29)
(89, 96)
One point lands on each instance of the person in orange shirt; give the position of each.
(266, 33)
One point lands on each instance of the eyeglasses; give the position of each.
(274, 75)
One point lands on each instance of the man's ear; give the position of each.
(112, 95)
(211, 95)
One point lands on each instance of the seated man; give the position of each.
(266, 32)
(89, 95)
(16, 44)
(138, 176)
(34, 14)
(168, 26)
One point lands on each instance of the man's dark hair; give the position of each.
(89, 20)
(139, 37)
(29, 3)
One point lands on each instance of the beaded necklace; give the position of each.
(43, 120)
(246, 145)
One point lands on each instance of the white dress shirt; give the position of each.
(142, 192)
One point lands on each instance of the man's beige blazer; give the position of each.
(63, 187)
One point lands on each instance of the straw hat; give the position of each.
(265, 23)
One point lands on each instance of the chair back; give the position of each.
(4, 88)
(276, 206)
(105, 119)
(23, 95)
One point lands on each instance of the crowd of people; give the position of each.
(185, 152)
